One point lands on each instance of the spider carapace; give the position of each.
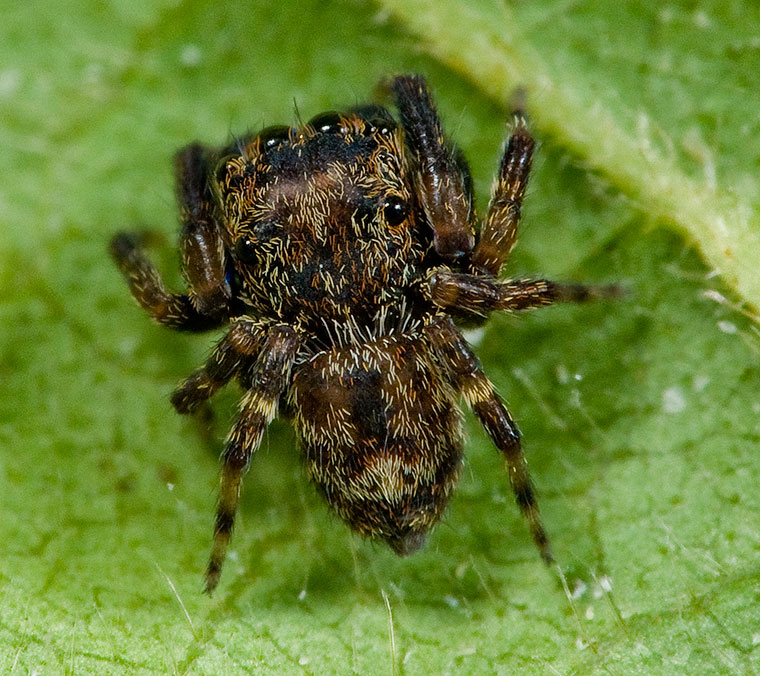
(343, 254)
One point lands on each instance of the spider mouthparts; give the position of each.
(454, 246)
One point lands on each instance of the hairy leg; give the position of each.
(479, 295)
(203, 257)
(206, 304)
(442, 175)
(170, 309)
(268, 379)
(233, 355)
(456, 354)
(499, 232)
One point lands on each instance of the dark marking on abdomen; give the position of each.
(367, 407)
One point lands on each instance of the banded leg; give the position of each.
(203, 252)
(482, 295)
(499, 232)
(445, 185)
(258, 408)
(458, 357)
(171, 309)
(233, 355)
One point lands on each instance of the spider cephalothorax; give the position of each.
(338, 253)
(317, 219)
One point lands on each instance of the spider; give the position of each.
(340, 253)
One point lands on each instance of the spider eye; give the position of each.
(223, 169)
(245, 250)
(395, 210)
(271, 137)
(380, 125)
(329, 122)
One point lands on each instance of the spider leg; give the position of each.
(206, 305)
(457, 356)
(499, 232)
(203, 251)
(233, 355)
(268, 379)
(444, 183)
(174, 310)
(480, 295)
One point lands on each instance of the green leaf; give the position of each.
(640, 417)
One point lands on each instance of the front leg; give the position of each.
(174, 310)
(206, 305)
(203, 251)
(268, 379)
(458, 358)
(445, 186)
(481, 295)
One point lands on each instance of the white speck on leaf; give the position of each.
(716, 296)
(579, 589)
(602, 586)
(727, 327)
(93, 74)
(673, 400)
(190, 55)
(701, 20)
(580, 644)
(10, 81)
(127, 346)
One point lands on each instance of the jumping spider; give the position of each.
(339, 252)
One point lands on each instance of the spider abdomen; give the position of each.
(381, 434)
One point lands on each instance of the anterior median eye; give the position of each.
(245, 250)
(395, 210)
